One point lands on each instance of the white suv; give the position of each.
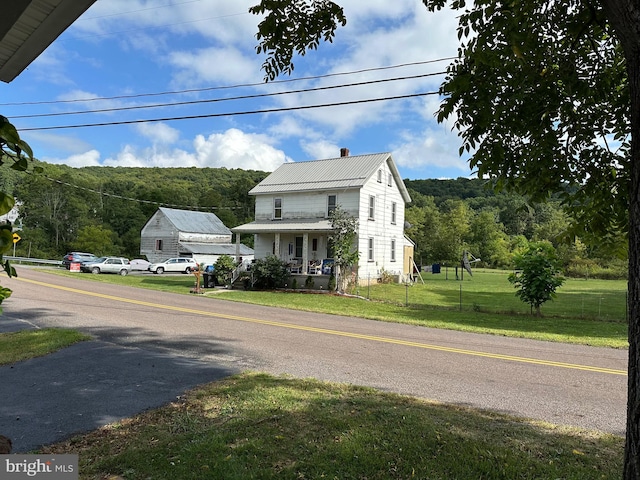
(184, 265)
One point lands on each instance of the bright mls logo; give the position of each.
(49, 467)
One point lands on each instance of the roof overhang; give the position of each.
(28, 27)
(215, 248)
(286, 226)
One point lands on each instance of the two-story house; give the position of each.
(294, 202)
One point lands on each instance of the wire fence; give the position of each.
(603, 300)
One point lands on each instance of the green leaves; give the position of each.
(6, 203)
(6, 238)
(541, 100)
(12, 146)
(537, 275)
(293, 26)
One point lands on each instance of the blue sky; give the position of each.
(125, 54)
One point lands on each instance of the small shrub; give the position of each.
(294, 283)
(386, 277)
(269, 273)
(309, 283)
(332, 282)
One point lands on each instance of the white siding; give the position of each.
(305, 205)
(380, 228)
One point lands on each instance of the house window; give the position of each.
(298, 247)
(390, 180)
(393, 249)
(314, 245)
(332, 201)
(158, 244)
(393, 212)
(370, 250)
(277, 209)
(372, 207)
(379, 176)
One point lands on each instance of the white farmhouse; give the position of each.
(294, 202)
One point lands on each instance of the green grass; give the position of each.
(26, 344)
(587, 312)
(258, 426)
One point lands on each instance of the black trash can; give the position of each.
(435, 268)
(209, 280)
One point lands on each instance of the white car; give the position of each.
(184, 265)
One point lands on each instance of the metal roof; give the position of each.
(188, 221)
(329, 174)
(287, 226)
(28, 27)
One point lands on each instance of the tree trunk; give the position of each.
(624, 16)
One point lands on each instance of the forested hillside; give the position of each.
(103, 209)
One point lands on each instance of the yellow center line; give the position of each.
(339, 333)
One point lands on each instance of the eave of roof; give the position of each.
(287, 226)
(28, 27)
(215, 248)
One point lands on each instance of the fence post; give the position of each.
(406, 295)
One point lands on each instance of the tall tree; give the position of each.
(544, 94)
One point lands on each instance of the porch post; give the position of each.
(305, 253)
(237, 247)
(277, 245)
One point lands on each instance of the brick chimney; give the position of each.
(344, 152)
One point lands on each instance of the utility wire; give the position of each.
(228, 87)
(216, 100)
(229, 114)
(120, 197)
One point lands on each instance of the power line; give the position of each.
(216, 100)
(149, 202)
(229, 114)
(229, 87)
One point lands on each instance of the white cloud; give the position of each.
(434, 150)
(214, 64)
(90, 158)
(320, 149)
(159, 133)
(236, 149)
(52, 142)
(231, 149)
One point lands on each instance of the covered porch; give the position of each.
(303, 245)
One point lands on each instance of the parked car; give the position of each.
(77, 257)
(117, 265)
(140, 264)
(184, 265)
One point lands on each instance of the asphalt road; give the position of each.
(562, 384)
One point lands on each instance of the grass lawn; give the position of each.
(587, 312)
(19, 346)
(259, 426)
